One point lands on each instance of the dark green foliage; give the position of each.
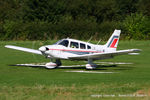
(80, 19)
(137, 26)
(144, 7)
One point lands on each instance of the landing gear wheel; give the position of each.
(91, 66)
(51, 65)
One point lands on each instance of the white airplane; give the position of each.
(71, 49)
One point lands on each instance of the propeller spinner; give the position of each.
(43, 49)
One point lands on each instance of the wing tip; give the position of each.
(136, 50)
(7, 46)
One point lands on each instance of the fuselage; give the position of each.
(70, 47)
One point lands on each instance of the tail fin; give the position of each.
(113, 40)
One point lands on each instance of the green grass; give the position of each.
(28, 83)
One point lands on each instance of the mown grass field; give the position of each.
(28, 83)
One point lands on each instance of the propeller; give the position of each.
(36, 44)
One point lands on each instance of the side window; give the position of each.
(82, 46)
(74, 45)
(88, 47)
(64, 43)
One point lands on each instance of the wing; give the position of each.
(24, 49)
(104, 55)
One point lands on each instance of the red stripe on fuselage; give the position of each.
(76, 50)
(113, 43)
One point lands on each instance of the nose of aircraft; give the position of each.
(42, 48)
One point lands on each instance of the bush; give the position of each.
(42, 30)
(11, 29)
(137, 26)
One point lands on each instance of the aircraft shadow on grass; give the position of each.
(99, 67)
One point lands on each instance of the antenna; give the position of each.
(90, 39)
(99, 41)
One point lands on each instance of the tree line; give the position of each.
(80, 19)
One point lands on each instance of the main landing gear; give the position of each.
(90, 64)
(52, 64)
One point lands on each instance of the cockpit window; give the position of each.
(74, 45)
(64, 43)
(89, 47)
(82, 46)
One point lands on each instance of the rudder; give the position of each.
(113, 40)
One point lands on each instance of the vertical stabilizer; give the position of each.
(113, 40)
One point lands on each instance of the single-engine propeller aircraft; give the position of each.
(71, 49)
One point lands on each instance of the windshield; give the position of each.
(64, 43)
